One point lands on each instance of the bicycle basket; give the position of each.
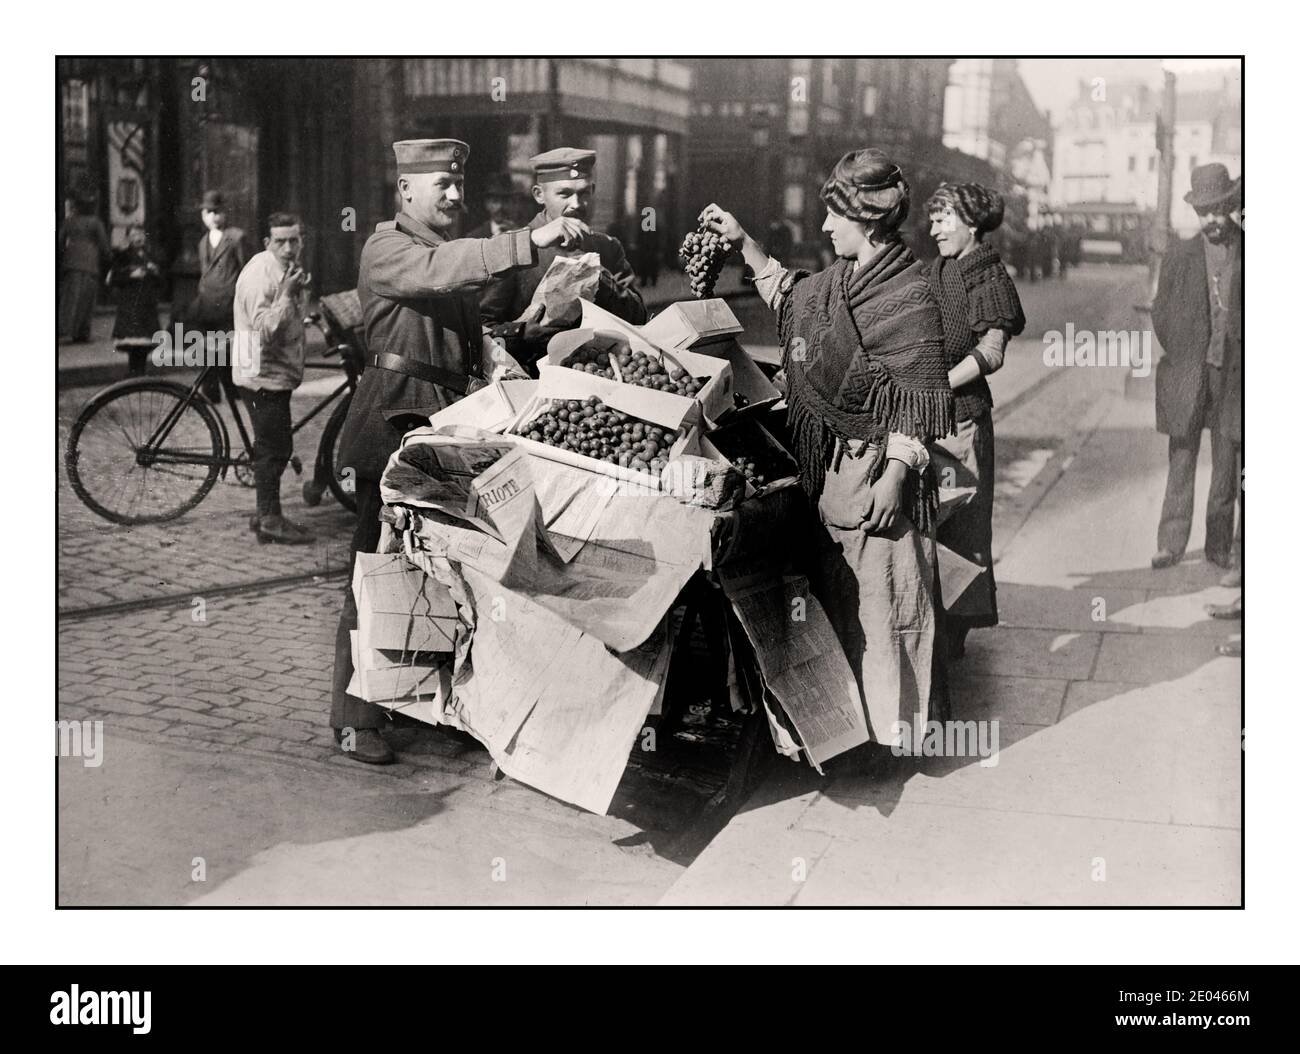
(342, 313)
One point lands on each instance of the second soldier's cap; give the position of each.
(566, 162)
(431, 155)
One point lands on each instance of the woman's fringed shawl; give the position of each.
(975, 295)
(863, 354)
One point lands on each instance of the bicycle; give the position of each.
(174, 444)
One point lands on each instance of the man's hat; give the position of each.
(214, 201)
(500, 185)
(430, 155)
(562, 163)
(1211, 186)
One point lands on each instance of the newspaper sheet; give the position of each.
(799, 656)
(619, 557)
(572, 503)
(956, 573)
(556, 709)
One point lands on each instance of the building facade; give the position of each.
(765, 134)
(1106, 143)
(632, 112)
(989, 114)
(147, 137)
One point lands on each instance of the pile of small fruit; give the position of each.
(703, 253)
(591, 360)
(589, 427)
(748, 467)
(636, 367)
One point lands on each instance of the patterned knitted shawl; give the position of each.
(863, 354)
(975, 295)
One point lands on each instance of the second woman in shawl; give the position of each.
(981, 313)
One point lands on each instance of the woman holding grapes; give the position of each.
(862, 347)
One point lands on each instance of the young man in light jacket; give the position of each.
(270, 348)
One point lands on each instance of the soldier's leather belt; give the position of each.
(457, 382)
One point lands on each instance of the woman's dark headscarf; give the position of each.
(869, 188)
(973, 203)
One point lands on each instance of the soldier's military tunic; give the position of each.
(419, 299)
(419, 302)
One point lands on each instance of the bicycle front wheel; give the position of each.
(123, 477)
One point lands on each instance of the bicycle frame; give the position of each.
(225, 460)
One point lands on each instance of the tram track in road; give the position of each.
(126, 607)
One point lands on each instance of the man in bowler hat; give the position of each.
(1197, 320)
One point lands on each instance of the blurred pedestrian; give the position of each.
(981, 313)
(222, 256)
(648, 251)
(136, 281)
(1197, 320)
(779, 240)
(83, 254)
(268, 356)
(500, 201)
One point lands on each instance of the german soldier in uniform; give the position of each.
(426, 349)
(563, 187)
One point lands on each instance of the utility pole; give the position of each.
(1164, 189)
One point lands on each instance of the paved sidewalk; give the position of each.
(1118, 779)
(166, 824)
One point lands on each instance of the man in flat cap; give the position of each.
(426, 349)
(564, 187)
(223, 252)
(1198, 380)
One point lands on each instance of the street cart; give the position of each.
(539, 534)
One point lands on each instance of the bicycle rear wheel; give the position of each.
(119, 477)
(344, 488)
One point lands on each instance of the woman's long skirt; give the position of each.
(878, 591)
(969, 531)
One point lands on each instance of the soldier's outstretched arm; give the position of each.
(398, 267)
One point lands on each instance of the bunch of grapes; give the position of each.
(589, 427)
(703, 252)
(636, 368)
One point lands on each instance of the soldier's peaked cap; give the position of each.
(431, 155)
(565, 162)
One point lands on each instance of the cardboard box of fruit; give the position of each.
(692, 324)
(614, 429)
(715, 394)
